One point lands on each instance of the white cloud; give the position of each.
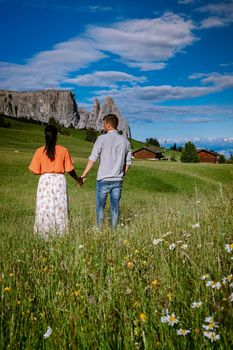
(147, 44)
(100, 8)
(218, 81)
(198, 120)
(212, 22)
(159, 93)
(105, 78)
(185, 2)
(204, 141)
(219, 14)
(226, 64)
(144, 42)
(64, 6)
(147, 66)
(139, 102)
(213, 83)
(138, 110)
(221, 8)
(49, 68)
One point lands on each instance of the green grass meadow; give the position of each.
(132, 288)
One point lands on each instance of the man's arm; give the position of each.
(96, 150)
(128, 159)
(127, 166)
(89, 166)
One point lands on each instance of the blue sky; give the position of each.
(167, 64)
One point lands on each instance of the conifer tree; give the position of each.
(189, 153)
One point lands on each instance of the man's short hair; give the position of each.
(111, 119)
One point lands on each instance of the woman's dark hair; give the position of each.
(50, 140)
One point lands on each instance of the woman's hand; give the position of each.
(80, 181)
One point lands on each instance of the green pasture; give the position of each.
(132, 288)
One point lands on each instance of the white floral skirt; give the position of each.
(51, 205)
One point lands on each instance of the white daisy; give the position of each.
(184, 246)
(169, 319)
(197, 225)
(204, 277)
(217, 285)
(229, 248)
(163, 319)
(47, 333)
(196, 304)
(186, 234)
(210, 326)
(209, 319)
(157, 241)
(167, 234)
(212, 336)
(213, 284)
(183, 332)
(172, 319)
(224, 280)
(172, 246)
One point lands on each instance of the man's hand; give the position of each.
(83, 179)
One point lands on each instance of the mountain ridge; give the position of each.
(61, 105)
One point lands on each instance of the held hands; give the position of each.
(81, 180)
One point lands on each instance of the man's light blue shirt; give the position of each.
(113, 152)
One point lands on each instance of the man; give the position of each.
(114, 154)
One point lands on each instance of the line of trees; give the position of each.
(152, 142)
(176, 149)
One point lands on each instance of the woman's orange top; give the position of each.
(62, 162)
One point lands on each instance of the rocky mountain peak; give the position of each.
(61, 105)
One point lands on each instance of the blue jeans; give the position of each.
(102, 189)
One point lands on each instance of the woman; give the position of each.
(51, 162)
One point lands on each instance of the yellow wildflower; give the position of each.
(170, 296)
(130, 265)
(11, 274)
(142, 317)
(59, 293)
(7, 289)
(155, 283)
(229, 278)
(76, 293)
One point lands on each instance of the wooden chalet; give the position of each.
(148, 152)
(206, 156)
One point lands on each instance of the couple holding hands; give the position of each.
(51, 161)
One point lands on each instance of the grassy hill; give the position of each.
(111, 290)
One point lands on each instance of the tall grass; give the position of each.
(119, 289)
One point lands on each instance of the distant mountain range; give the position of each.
(222, 145)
